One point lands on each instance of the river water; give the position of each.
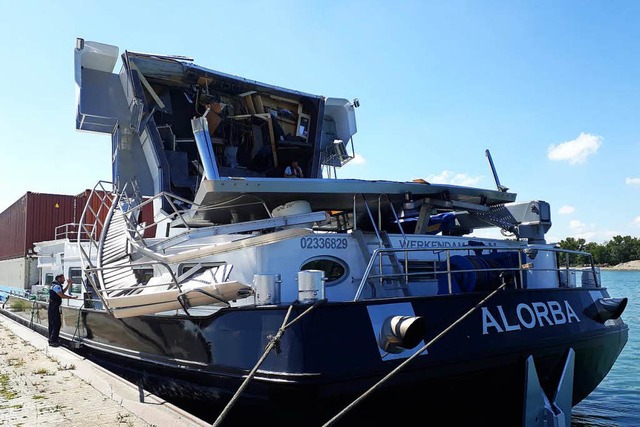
(616, 401)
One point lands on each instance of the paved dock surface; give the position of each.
(45, 386)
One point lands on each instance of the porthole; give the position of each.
(335, 270)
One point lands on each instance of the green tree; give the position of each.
(615, 251)
(598, 252)
(573, 244)
(623, 249)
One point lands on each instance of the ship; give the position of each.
(213, 277)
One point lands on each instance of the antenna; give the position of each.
(495, 174)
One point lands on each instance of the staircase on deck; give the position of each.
(387, 269)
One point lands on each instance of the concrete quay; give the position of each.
(45, 386)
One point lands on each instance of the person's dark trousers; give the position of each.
(54, 324)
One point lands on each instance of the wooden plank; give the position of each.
(280, 98)
(257, 100)
(203, 81)
(273, 142)
(249, 102)
(285, 120)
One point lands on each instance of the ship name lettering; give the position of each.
(527, 316)
(417, 244)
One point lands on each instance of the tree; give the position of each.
(623, 249)
(573, 244)
(615, 251)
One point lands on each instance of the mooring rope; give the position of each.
(406, 362)
(267, 350)
(73, 338)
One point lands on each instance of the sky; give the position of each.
(551, 88)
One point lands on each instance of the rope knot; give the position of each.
(275, 339)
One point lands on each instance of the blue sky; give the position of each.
(551, 88)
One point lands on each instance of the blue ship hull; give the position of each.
(330, 356)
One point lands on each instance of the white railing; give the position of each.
(442, 257)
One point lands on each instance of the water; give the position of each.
(616, 401)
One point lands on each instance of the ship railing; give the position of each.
(132, 207)
(92, 220)
(335, 156)
(377, 226)
(97, 208)
(97, 211)
(129, 204)
(174, 281)
(73, 232)
(152, 296)
(564, 272)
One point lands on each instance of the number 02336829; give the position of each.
(323, 243)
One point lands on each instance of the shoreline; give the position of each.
(628, 266)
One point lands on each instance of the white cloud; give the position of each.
(632, 181)
(636, 221)
(577, 150)
(589, 236)
(358, 160)
(589, 232)
(577, 226)
(448, 177)
(566, 209)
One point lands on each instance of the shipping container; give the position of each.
(34, 218)
(19, 272)
(39, 217)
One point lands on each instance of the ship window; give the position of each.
(75, 274)
(335, 270)
(48, 279)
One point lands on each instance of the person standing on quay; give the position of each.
(56, 295)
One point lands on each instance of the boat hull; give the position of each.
(331, 356)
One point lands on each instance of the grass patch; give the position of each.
(51, 409)
(43, 371)
(122, 419)
(38, 396)
(15, 362)
(19, 304)
(5, 390)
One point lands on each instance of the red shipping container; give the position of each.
(38, 217)
(34, 218)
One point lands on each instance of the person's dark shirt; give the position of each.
(54, 299)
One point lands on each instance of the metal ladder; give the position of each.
(389, 270)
